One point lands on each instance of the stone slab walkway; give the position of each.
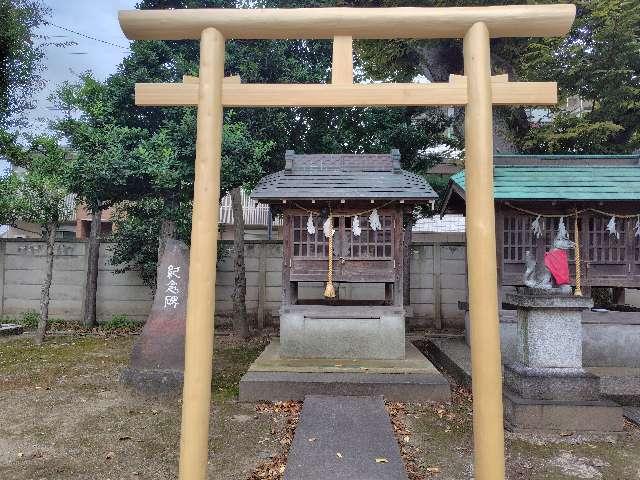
(632, 414)
(340, 438)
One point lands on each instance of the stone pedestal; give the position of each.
(546, 388)
(362, 332)
(342, 350)
(157, 360)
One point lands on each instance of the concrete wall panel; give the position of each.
(23, 266)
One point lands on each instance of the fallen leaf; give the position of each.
(381, 460)
(338, 454)
(433, 469)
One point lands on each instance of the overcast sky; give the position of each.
(101, 55)
(93, 18)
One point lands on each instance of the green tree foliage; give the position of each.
(36, 195)
(598, 62)
(138, 227)
(113, 162)
(20, 57)
(258, 138)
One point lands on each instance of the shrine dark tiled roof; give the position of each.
(343, 176)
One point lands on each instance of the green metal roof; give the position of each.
(563, 182)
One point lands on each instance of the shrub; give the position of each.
(120, 322)
(30, 319)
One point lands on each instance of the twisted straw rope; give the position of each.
(578, 292)
(329, 291)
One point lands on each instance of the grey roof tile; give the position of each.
(343, 176)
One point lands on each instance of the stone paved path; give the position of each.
(340, 438)
(633, 414)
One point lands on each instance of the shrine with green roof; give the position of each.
(533, 194)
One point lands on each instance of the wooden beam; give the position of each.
(309, 23)
(340, 95)
(192, 79)
(342, 60)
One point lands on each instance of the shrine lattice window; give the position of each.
(306, 244)
(603, 246)
(518, 238)
(370, 244)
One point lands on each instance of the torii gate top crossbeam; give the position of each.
(373, 23)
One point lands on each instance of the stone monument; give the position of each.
(157, 360)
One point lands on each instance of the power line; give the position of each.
(87, 36)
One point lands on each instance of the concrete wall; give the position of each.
(609, 339)
(22, 263)
(438, 281)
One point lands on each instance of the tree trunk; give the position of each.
(46, 286)
(240, 321)
(91, 288)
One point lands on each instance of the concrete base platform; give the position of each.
(7, 329)
(152, 381)
(529, 414)
(526, 414)
(274, 378)
(340, 438)
(620, 384)
(551, 383)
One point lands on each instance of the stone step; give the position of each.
(397, 387)
(620, 384)
(340, 438)
(525, 414)
(274, 378)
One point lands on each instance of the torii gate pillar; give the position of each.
(198, 361)
(486, 363)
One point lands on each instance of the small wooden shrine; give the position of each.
(342, 222)
(536, 195)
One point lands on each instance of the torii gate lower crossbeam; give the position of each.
(478, 92)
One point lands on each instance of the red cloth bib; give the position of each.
(558, 264)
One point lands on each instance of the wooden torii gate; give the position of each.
(477, 91)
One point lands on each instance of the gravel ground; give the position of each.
(64, 415)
